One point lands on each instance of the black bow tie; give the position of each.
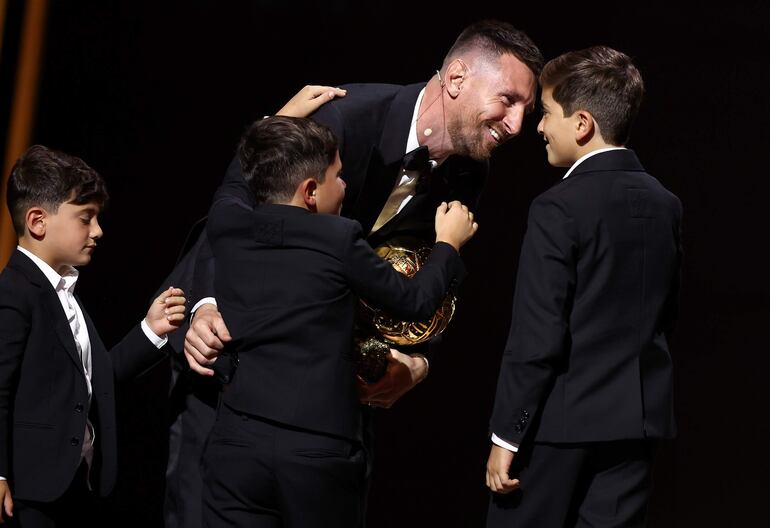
(418, 160)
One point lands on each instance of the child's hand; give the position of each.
(166, 313)
(454, 224)
(309, 99)
(6, 502)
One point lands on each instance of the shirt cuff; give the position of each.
(3, 478)
(159, 342)
(205, 300)
(505, 445)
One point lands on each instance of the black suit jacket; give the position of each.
(587, 358)
(372, 126)
(287, 283)
(43, 391)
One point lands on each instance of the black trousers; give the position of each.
(259, 473)
(77, 508)
(597, 485)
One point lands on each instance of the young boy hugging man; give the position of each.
(57, 410)
(285, 450)
(585, 386)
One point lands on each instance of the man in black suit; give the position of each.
(475, 103)
(57, 410)
(286, 447)
(585, 387)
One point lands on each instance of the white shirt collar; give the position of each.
(63, 282)
(412, 142)
(592, 153)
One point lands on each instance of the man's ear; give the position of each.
(35, 221)
(308, 189)
(456, 74)
(585, 127)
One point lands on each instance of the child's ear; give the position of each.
(35, 220)
(308, 189)
(585, 127)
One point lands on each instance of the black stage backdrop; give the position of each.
(154, 95)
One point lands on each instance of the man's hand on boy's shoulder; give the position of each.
(166, 312)
(6, 501)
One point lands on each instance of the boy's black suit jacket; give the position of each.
(288, 283)
(43, 393)
(587, 357)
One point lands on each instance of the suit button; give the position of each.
(75, 440)
(79, 408)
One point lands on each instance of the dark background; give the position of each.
(154, 96)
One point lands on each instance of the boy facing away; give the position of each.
(585, 386)
(57, 399)
(286, 446)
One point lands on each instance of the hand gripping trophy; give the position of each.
(377, 331)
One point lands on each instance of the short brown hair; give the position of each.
(49, 178)
(497, 38)
(277, 153)
(602, 81)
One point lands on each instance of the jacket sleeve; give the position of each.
(538, 339)
(14, 332)
(671, 308)
(374, 279)
(135, 354)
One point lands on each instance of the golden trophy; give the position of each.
(378, 331)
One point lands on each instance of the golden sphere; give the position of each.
(407, 256)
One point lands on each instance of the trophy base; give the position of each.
(372, 359)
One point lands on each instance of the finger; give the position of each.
(465, 209)
(206, 335)
(195, 367)
(441, 209)
(316, 90)
(511, 485)
(220, 329)
(176, 309)
(9, 505)
(198, 356)
(496, 483)
(175, 300)
(454, 203)
(194, 342)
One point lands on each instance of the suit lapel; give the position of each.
(51, 304)
(385, 159)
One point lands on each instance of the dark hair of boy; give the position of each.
(278, 153)
(48, 178)
(602, 81)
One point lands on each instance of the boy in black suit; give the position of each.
(57, 409)
(585, 387)
(285, 450)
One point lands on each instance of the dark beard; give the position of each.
(470, 147)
